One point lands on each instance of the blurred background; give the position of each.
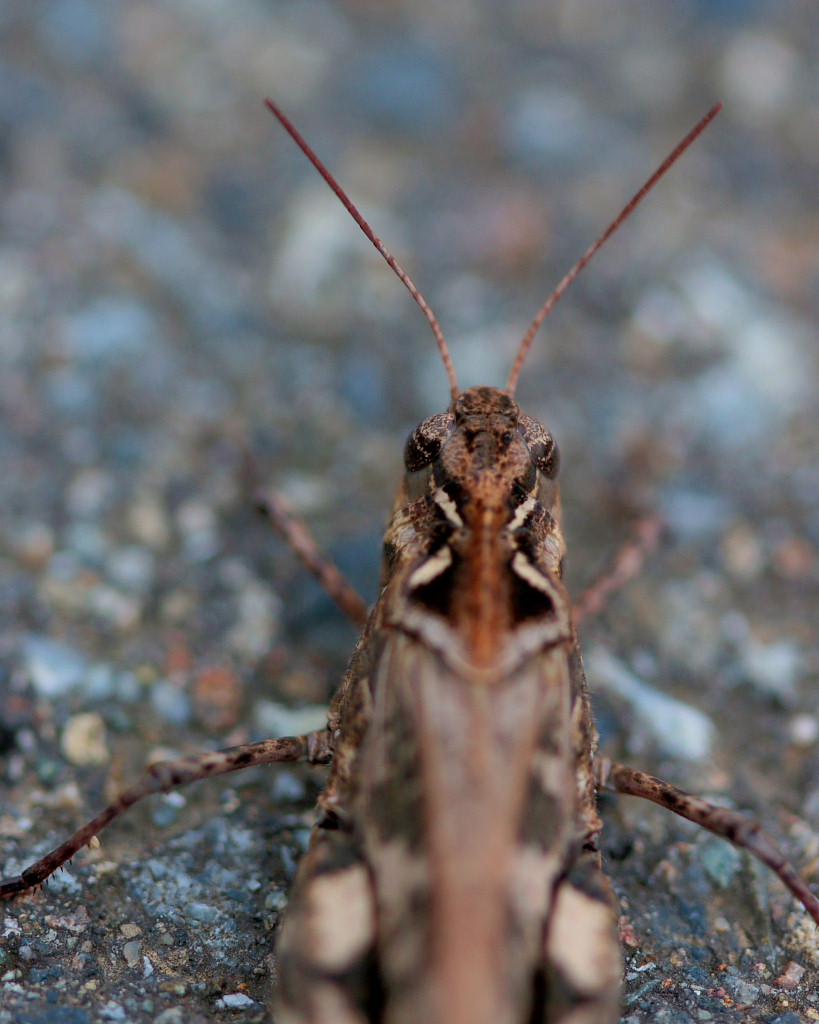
(189, 314)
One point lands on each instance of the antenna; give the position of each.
(549, 304)
(351, 208)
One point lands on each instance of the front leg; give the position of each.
(299, 539)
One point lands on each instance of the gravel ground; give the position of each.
(187, 313)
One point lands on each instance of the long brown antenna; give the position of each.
(549, 304)
(351, 208)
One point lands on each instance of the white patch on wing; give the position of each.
(531, 881)
(432, 567)
(329, 1002)
(524, 568)
(448, 507)
(341, 917)
(582, 942)
(522, 513)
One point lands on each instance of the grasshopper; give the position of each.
(453, 874)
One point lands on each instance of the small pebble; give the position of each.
(89, 493)
(791, 977)
(795, 559)
(679, 729)
(165, 812)
(34, 544)
(305, 273)
(131, 568)
(84, 741)
(760, 72)
(131, 951)
(217, 698)
(742, 552)
(53, 668)
(198, 525)
(110, 330)
(74, 921)
(276, 900)
(234, 1001)
(286, 786)
(203, 912)
(721, 861)
(113, 1011)
(774, 667)
(253, 633)
(741, 991)
(803, 730)
(148, 521)
(179, 1015)
(274, 719)
(170, 702)
(547, 126)
(87, 541)
(120, 610)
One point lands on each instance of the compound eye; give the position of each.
(542, 446)
(425, 442)
(546, 456)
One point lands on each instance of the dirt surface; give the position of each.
(188, 314)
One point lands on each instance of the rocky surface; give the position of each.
(188, 314)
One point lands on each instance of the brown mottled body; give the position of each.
(461, 797)
(453, 875)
